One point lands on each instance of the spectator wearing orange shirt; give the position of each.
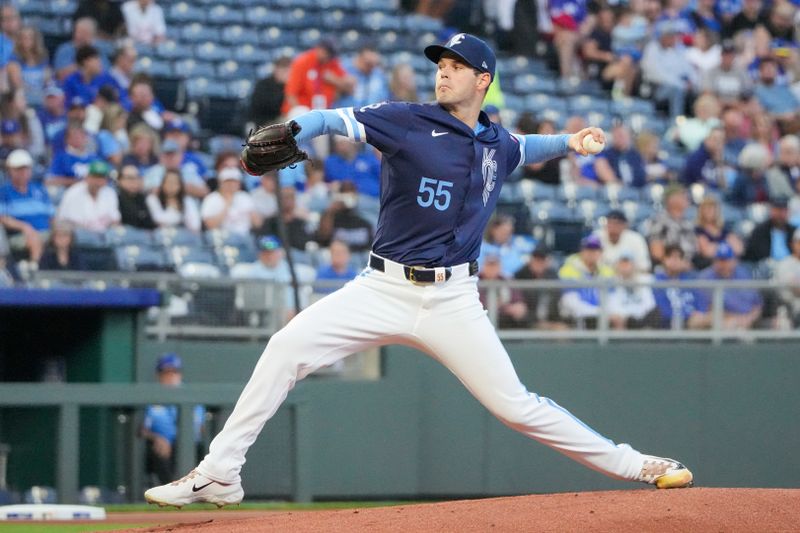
(316, 79)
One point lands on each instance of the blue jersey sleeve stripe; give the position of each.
(347, 123)
(318, 122)
(359, 126)
(521, 139)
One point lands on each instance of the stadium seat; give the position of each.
(171, 92)
(94, 495)
(309, 38)
(542, 102)
(337, 19)
(174, 50)
(231, 70)
(379, 21)
(184, 12)
(580, 105)
(167, 237)
(300, 18)
(31, 7)
(220, 113)
(288, 4)
(180, 254)
(275, 36)
(62, 8)
(248, 53)
(241, 88)
(626, 106)
(351, 40)
(155, 68)
(197, 32)
(758, 212)
(260, 16)
(211, 51)
(227, 256)
(141, 258)
(89, 239)
(570, 192)
(526, 84)
(223, 15)
(125, 235)
(219, 238)
(189, 68)
(40, 494)
(199, 270)
(732, 214)
(421, 23)
(327, 5)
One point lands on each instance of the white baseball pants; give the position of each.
(446, 321)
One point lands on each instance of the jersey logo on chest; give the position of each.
(489, 169)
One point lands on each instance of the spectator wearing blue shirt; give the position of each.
(9, 18)
(160, 427)
(178, 130)
(499, 240)
(53, 115)
(172, 158)
(371, 81)
(750, 185)
(83, 34)
(76, 112)
(338, 269)
(25, 207)
(29, 67)
(621, 163)
(706, 164)
(676, 305)
(90, 77)
(72, 163)
(777, 98)
(357, 163)
(741, 307)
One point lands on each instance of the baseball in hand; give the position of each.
(592, 146)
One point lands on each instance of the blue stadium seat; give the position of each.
(626, 106)
(247, 53)
(531, 83)
(211, 51)
(93, 495)
(167, 237)
(31, 7)
(125, 235)
(174, 50)
(204, 87)
(541, 102)
(141, 258)
(224, 15)
(338, 19)
(732, 214)
(570, 192)
(52, 26)
(391, 41)
(300, 18)
(421, 23)
(199, 270)
(598, 120)
(155, 68)
(227, 256)
(89, 239)
(63, 8)
(231, 70)
(306, 4)
(241, 88)
(260, 16)
(380, 21)
(181, 254)
(40, 494)
(327, 5)
(218, 238)
(189, 68)
(197, 32)
(183, 12)
(580, 105)
(309, 38)
(275, 36)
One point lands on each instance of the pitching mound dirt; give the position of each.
(686, 510)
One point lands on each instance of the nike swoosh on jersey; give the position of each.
(435, 133)
(195, 488)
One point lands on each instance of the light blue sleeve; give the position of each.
(338, 121)
(537, 148)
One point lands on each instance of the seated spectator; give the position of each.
(76, 110)
(53, 115)
(6, 274)
(171, 207)
(735, 138)
(570, 22)
(267, 96)
(655, 169)
(512, 312)
(144, 21)
(172, 157)
(91, 204)
(143, 143)
(10, 24)
(403, 84)
(706, 165)
(106, 15)
(90, 77)
(29, 68)
(676, 305)
(794, 205)
(542, 304)
(776, 98)
(671, 226)
(750, 185)
(192, 164)
(751, 15)
(26, 130)
(316, 194)
(83, 34)
(357, 163)
(618, 240)
(691, 132)
(620, 163)
(631, 307)
(370, 80)
(294, 220)
(342, 222)
(70, 165)
(144, 107)
(705, 53)
(582, 305)
(741, 307)
(264, 196)
(132, 201)
(771, 238)
(727, 81)
(123, 63)
(25, 206)
(627, 42)
(60, 254)
(338, 269)
(499, 240)
(783, 175)
(711, 232)
(272, 266)
(112, 139)
(315, 78)
(548, 172)
(229, 208)
(666, 66)
(596, 48)
(787, 273)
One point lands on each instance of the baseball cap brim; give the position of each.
(434, 53)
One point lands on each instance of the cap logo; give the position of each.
(455, 39)
(484, 65)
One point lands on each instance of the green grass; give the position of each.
(65, 528)
(256, 506)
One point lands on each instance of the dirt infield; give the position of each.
(688, 510)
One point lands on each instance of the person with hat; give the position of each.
(631, 306)
(316, 78)
(172, 158)
(91, 204)
(617, 239)
(25, 206)
(443, 165)
(741, 307)
(69, 166)
(772, 238)
(160, 424)
(777, 98)
(787, 274)
(53, 115)
(230, 208)
(666, 66)
(728, 81)
(582, 305)
(542, 304)
(192, 164)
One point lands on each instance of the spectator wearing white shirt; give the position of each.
(171, 207)
(91, 204)
(631, 307)
(617, 240)
(144, 21)
(230, 208)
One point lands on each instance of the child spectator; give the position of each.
(84, 31)
(171, 207)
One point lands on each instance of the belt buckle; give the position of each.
(413, 278)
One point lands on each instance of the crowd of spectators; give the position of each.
(87, 146)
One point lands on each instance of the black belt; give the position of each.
(420, 274)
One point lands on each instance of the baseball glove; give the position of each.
(272, 148)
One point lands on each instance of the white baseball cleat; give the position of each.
(195, 487)
(665, 473)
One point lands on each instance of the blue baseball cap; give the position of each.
(176, 125)
(269, 242)
(591, 242)
(169, 361)
(78, 101)
(10, 127)
(724, 251)
(473, 51)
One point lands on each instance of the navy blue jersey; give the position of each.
(439, 180)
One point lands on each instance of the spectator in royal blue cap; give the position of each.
(160, 427)
(53, 115)
(741, 307)
(582, 305)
